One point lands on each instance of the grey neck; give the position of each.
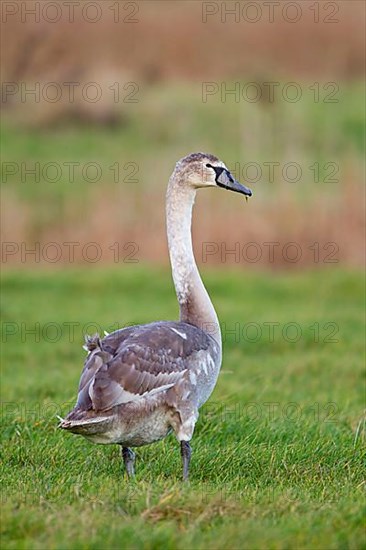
(194, 302)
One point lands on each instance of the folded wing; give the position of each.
(141, 362)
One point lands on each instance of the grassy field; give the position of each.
(278, 449)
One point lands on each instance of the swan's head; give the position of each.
(205, 170)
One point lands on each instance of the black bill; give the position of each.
(225, 180)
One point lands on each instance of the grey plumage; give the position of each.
(140, 383)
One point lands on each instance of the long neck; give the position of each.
(195, 305)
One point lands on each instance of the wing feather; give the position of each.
(144, 361)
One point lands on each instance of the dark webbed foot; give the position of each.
(185, 451)
(129, 460)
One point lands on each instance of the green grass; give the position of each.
(278, 449)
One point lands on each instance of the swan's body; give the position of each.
(142, 382)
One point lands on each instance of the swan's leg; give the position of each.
(185, 451)
(183, 423)
(129, 460)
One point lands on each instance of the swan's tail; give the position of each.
(84, 422)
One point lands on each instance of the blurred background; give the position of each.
(100, 99)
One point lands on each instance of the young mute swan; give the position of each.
(141, 382)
